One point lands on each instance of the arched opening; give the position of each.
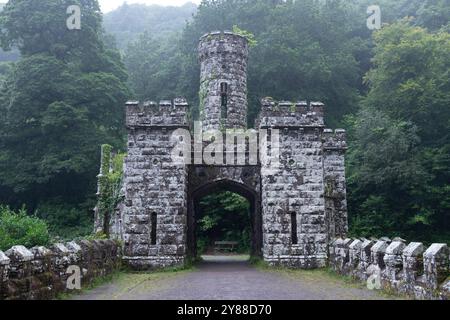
(224, 227)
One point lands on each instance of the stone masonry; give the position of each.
(42, 273)
(297, 197)
(395, 266)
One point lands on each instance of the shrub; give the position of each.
(18, 228)
(66, 221)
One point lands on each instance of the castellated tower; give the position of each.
(223, 81)
(298, 199)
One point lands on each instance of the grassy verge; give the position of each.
(325, 276)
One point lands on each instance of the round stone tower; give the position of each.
(223, 81)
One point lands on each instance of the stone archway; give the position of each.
(225, 185)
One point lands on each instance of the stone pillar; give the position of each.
(412, 266)
(377, 259)
(332, 253)
(354, 257)
(4, 275)
(377, 253)
(436, 265)
(344, 255)
(393, 261)
(335, 254)
(365, 259)
(335, 147)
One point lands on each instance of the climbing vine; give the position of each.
(110, 185)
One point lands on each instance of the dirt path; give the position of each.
(230, 278)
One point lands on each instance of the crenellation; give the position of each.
(335, 140)
(286, 114)
(150, 114)
(436, 265)
(406, 269)
(299, 200)
(393, 260)
(41, 273)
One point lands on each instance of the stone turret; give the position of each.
(223, 80)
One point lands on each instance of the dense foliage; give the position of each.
(128, 21)
(18, 228)
(223, 216)
(400, 155)
(388, 88)
(58, 104)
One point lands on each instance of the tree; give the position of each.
(58, 104)
(400, 154)
(223, 216)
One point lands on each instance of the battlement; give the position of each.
(335, 140)
(227, 42)
(290, 114)
(408, 269)
(150, 114)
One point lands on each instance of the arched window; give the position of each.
(224, 99)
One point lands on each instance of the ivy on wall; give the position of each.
(110, 185)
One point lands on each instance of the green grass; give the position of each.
(324, 275)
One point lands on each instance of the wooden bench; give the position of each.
(225, 246)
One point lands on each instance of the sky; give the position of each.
(108, 5)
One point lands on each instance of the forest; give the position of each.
(62, 95)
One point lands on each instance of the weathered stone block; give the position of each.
(354, 256)
(412, 265)
(393, 261)
(436, 265)
(377, 253)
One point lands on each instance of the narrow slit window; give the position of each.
(294, 228)
(154, 228)
(224, 99)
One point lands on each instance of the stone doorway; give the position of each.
(220, 186)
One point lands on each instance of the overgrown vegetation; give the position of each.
(223, 216)
(390, 89)
(110, 185)
(58, 103)
(18, 228)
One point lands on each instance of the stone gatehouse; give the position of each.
(296, 208)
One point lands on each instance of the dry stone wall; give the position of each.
(395, 266)
(41, 273)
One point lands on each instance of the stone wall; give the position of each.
(395, 266)
(310, 157)
(223, 58)
(335, 146)
(154, 212)
(41, 273)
